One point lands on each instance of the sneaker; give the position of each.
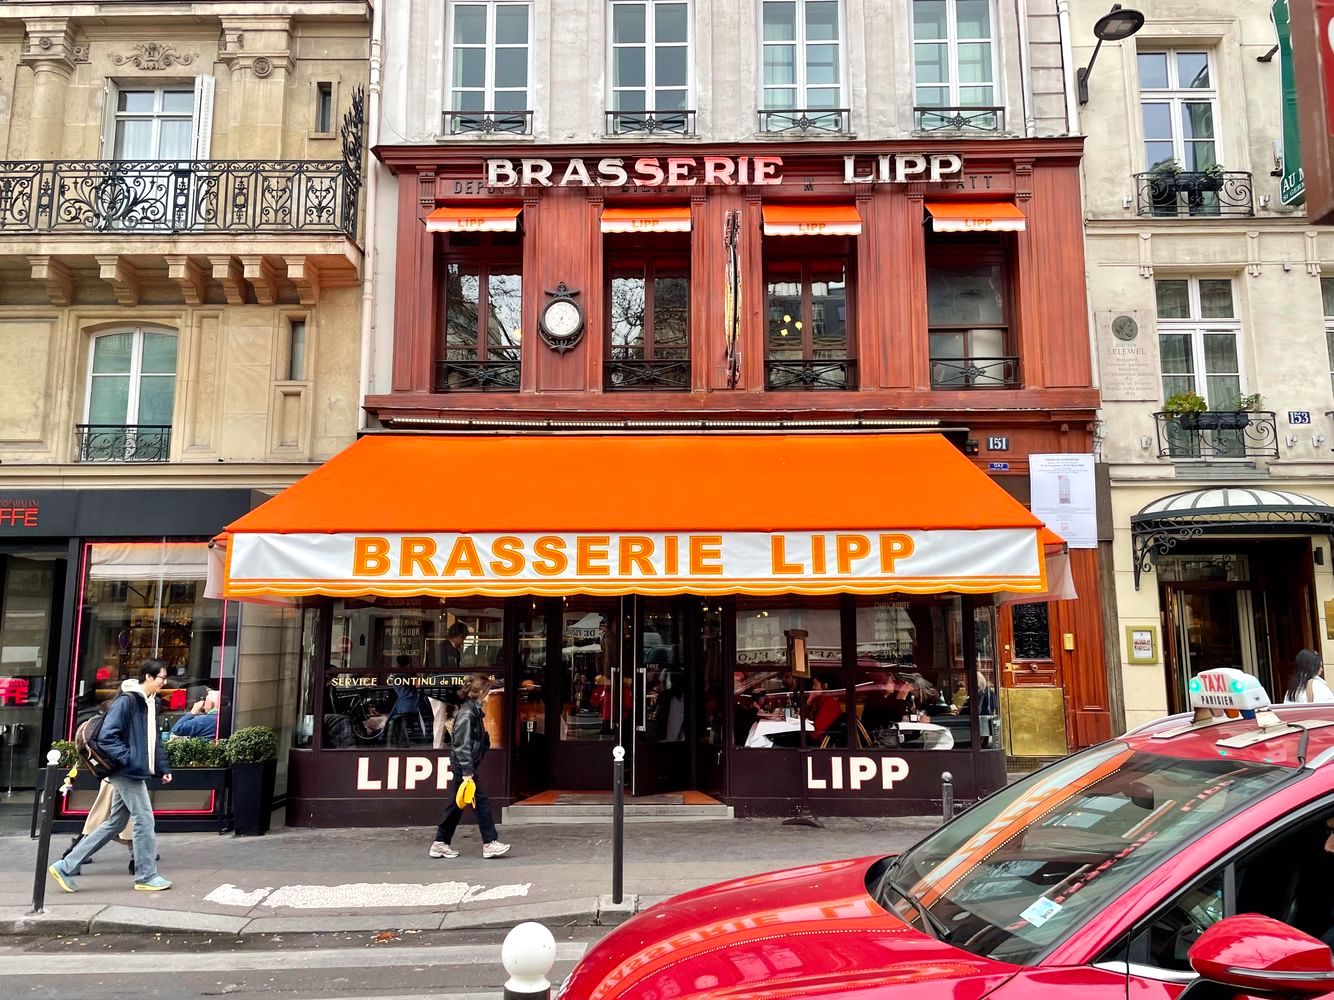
(65, 882)
(439, 849)
(155, 884)
(495, 849)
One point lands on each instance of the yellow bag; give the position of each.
(467, 792)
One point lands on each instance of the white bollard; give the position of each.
(528, 954)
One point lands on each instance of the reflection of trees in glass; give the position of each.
(504, 324)
(470, 289)
(649, 317)
(628, 304)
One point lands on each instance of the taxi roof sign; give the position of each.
(1227, 688)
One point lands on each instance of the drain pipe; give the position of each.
(1025, 70)
(368, 261)
(1068, 65)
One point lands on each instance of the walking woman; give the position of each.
(1307, 685)
(468, 745)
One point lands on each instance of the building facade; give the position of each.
(179, 311)
(1211, 300)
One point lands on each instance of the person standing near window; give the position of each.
(129, 737)
(468, 745)
(1307, 685)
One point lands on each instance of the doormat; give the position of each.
(604, 799)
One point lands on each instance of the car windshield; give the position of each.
(1020, 872)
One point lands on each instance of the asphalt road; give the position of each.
(361, 966)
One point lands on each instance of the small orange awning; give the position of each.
(975, 217)
(673, 219)
(812, 219)
(474, 218)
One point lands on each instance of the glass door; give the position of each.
(29, 585)
(663, 695)
(595, 691)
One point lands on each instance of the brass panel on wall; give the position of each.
(1034, 722)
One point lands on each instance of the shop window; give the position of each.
(648, 311)
(774, 706)
(650, 67)
(29, 585)
(1032, 631)
(968, 315)
(954, 64)
(482, 306)
(397, 670)
(809, 303)
(802, 66)
(489, 53)
(130, 397)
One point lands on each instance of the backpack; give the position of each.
(91, 757)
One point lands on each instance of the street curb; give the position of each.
(145, 920)
(73, 919)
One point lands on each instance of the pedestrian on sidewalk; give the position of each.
(1308, 685)
(468, 745)
(129, 737)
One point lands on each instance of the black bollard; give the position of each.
(617, 824)
(946, 796)
(50, 784)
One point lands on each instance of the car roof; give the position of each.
(1174, 737)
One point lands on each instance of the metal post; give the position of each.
(528, 954)
(50, 783)
(946, 797)
(617, 823)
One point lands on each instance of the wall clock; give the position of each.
(561, 322)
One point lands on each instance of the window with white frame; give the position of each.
(1327, 294)
(1179, 109)
(154, 123)
(131, 395)
(1198, 330)
(650, 66)
(954, 60)
(489, 51)
(801, 65)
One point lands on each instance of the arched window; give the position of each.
(131, 393)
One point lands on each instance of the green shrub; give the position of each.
(195, 751)
(67, 752)
(252, 745)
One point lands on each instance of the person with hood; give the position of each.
(129, 737)
(468, 745)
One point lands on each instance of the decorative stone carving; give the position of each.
(153, 55)
(262, 66)
(227, 272)
(81, 53)
(191, 278)
(123, 277)
(59, 281)
(263, 277)
(305, 274)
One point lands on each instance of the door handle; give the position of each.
(641, 723)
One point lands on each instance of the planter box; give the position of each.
(1213, 420)
(252, 797)
(212, 780)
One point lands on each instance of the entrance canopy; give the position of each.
(397, 515)
(1222, 510)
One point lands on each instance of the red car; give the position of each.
(1192, 859)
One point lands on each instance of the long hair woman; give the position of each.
(1307, 685)
(468, 745)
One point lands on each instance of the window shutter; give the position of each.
(202, 139)
(110, 93)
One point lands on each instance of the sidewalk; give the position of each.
(320, 881)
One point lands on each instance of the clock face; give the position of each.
(562, 319)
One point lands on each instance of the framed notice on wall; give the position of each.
(1064, 496)
(1141, 644)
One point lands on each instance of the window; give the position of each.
(483, 315)
(650, 66)
(488, 75)
(1178, 105)
(131, 393)
(1327, 294)
(954, 59)
(324, 107)
(802, 66)
(296, 350)
(648, 309)
(154, 124)
(808, 300)
(968, 313)
(1197, 339)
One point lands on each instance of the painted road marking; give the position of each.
(354, 895)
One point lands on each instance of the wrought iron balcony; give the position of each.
(1217, 434)
(651, 122)
(639, 374)
(488, 122)
(123, 442)
(830, 373)
(498, 375)
(1194, 194)
(959, 119)
(833, 120)
(975, 373)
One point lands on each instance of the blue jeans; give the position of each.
(130, 800)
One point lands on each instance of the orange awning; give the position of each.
(812, 219)
(646, 220)
(726, 514)
(975, 217)
(474, 218)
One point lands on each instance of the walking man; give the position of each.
(129, 737)
(468, 745)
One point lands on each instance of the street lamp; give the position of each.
(1116, 24)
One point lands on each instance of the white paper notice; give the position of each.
(1065, 497)
(1040, 911)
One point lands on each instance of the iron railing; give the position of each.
(637, 374)
(1192, 194)
(975, 119)
(1217, 434)
(651, 122)
(471, 376)
(488, 122)
(187, 196)
(123, 442)
(806, 120)
(975, 373)
(831, 373)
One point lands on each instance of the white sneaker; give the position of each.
(495, 849)
(439, 849)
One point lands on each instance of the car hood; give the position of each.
(806, 932)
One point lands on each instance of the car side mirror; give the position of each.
(1251, 953)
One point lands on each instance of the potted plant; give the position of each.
(253, 755)
(1211, 177)
(1185, 408)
